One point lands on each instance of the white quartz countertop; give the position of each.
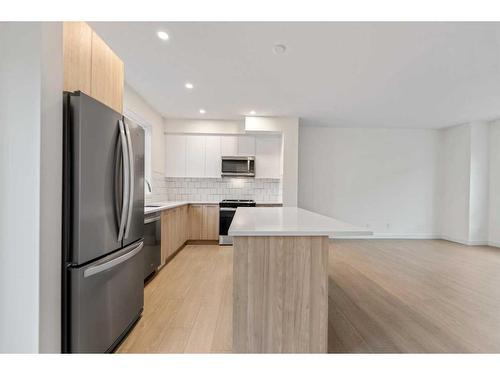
(172, 204)
(289, 221)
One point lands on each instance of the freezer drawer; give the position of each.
(106, 298)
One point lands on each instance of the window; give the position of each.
(147, 147)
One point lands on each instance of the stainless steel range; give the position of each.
(227, 209)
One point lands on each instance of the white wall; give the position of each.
(204, 126)
(479, 183)
(406, 183)
(494, 184)
(30, 114)
(134, 104)
(465, 184)
(289, 129)
(51, 188)
(455, 194)
(384, 179)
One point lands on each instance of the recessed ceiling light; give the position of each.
(252, 112)
(202, 111)
(279, 49)
(189, 85)
(162, 35)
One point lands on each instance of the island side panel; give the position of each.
(240, 294)
(319, 294)
(280, 294)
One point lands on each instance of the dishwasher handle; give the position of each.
(151, 219)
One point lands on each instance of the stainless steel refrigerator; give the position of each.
(103, 224)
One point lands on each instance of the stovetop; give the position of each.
(237, 203)
(238, 200)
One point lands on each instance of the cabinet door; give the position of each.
(195, 221)
(77, 52)
(165, 233)
(174, 228)
(210, 230)
(228, 145)
(212, 156)
(184, 222)
(246, 145)
(107, 75)
(268, 157)
(175, 155)
(178, 226)
(195, 156)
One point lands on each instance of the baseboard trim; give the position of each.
(465, 242)
(202, 242)
(494, 244)
(395, 236)
(418, 236)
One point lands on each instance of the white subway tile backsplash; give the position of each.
(214, 189)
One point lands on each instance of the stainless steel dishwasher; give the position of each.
(152, 243)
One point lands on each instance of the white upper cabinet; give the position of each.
(268, 156)
(195, 155)
(200, 155)
(246, 145)
(212, 156)
(175, 154)
(228, 145)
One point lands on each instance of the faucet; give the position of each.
(149, 185)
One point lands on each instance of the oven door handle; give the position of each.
(227, 209)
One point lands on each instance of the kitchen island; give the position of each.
(280, 278)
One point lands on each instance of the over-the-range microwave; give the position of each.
(243, 166)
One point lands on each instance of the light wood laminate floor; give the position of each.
(385, 296)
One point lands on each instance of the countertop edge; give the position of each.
(298, 233)
(290, 222)
(173, 204)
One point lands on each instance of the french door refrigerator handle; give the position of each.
(94, 270)
(131, 178)
(126, 181)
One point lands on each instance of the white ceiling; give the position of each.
(417, 75)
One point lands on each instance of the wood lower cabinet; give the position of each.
(210, 226)
(174, 231)
(204, 221)
(195, 221)
(187, 222)
(166, 219)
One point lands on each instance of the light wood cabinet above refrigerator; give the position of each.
(91, 66)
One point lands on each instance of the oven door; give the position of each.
(226, 215)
